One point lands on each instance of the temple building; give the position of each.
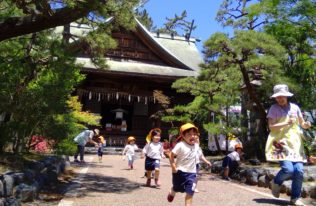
(143, 64)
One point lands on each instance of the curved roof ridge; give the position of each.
(149, 34)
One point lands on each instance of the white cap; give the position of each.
(281, 90)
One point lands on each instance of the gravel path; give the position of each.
(110, 183)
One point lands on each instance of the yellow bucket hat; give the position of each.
(130, 138)
(186, 127)
(102, 139)
(150, 134)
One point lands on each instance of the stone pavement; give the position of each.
(110, 183)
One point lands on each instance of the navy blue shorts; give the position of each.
(100, 151)
(151, 164)
(184, 182)
(232, 165)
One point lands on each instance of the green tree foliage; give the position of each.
(145, 19)
(293, 23)
(36, 82)
(65, 127)
(229, 63)
(38, 66)
(177, 24)
(20, 17)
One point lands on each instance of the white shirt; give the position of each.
(130, 149)
(84, 137)
(234, 156)
(186, 157)
(153, 150)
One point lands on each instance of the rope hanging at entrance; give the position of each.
(110, 96)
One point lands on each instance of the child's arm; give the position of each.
(312, 159)
(172, 163)
(162, 152)
(206, 161)
(144, 151)
(124, 150)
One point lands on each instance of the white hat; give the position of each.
(96, 131)
(281, 90)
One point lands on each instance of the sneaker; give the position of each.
(226, 178)
(275, 189)
(297, 202)
(132, 167)
(76, 161)
(82, 162)
(157, 183)
(148, 182)
(170, 197)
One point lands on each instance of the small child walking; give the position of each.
(101, 145)
(153, 152)
(129, 151)
(184, 169)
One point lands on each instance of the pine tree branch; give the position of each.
(17, 26)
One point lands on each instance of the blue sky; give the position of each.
(202, 11)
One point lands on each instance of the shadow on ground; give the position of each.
(271, 201)
(91, 164)
(100, 183)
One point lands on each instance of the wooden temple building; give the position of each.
(123, 94)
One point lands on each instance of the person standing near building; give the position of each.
(129, 151)
(81, 140)
(153, 151)
(184, 168)
(285, 142)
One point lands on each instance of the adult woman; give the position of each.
(285, 142)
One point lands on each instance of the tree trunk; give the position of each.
(262, 130)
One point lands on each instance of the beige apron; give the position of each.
(286, 143)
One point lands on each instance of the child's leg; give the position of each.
(130, 160)
(197, 174)
(157, 172)
(172, 192)
(188, 200)
(148, 174)
(157, 182)
(171, 195)
(226, 172)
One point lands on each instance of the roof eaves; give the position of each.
(173, 57)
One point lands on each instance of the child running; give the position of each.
(154, 152)
(184, 169)
(129, 151)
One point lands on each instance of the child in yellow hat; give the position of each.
(154, 152)
(101, 145)
(184, 168)
(129, 151)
